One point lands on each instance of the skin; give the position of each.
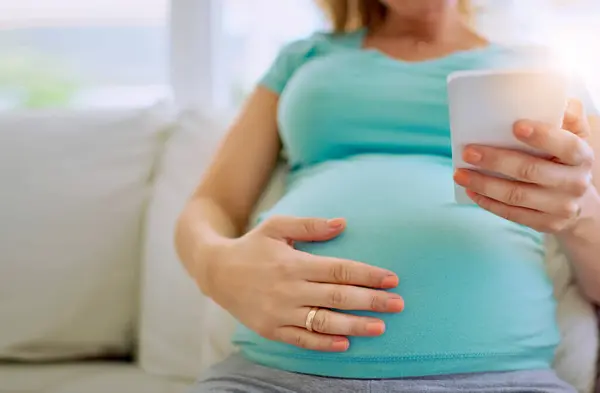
(270, 287)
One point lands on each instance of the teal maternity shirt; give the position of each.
(368, 139)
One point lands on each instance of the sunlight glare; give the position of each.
(575, 52)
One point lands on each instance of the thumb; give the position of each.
(575, 119)
(304, 229)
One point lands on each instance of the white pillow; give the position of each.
(577, 354)
(73, 186)
(182, 332)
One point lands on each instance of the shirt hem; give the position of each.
(385, 367)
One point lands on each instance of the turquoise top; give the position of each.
(368, 139)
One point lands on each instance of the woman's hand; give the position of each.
(271, 287)
(546, 194)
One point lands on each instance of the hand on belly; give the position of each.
(287, 295)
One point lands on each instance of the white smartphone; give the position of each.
(485, 104)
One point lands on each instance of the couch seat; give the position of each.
(96, 377)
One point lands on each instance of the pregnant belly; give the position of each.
(472, 283)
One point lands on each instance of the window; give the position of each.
(253, 32)
(89, 53)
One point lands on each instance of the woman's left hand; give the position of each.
(546, 194)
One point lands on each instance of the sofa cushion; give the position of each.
(74, 186)
(182, 332)
(84, 378)
(174, 314)
(577, 354)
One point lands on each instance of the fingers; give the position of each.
(540, 222)
(329, 330)
(518, 194)
(303, 229)
(527, 168)
(346, 297)
(300, 337)
(567, 147)
(346, 272)
(335, 323)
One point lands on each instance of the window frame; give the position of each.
(24, 38)
(195, 75)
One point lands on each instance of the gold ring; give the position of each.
(310, 318)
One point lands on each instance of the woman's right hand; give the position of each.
(270, 287)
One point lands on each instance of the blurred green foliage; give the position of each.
(36, 81)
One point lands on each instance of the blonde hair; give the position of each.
(349, 15)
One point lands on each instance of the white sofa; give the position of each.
(92, 297)
(75, 188)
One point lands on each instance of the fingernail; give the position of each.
(472, 156)
(524, 131)
(471, 194)
(390, 282)
(395, 305)
(340, 344)
(375, 328)
(462, 178)
(335, 223)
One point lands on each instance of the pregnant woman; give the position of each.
(366, 276)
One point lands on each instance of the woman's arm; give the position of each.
(582, 241)
(220, 207)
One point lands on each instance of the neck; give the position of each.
(446, 27)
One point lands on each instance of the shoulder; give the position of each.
(295, 54)
(318, 43)
(299, 48)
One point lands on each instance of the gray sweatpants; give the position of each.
(238, 375)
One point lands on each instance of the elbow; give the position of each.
(181, 239)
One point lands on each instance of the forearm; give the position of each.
(582, 246)
(202, 227)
